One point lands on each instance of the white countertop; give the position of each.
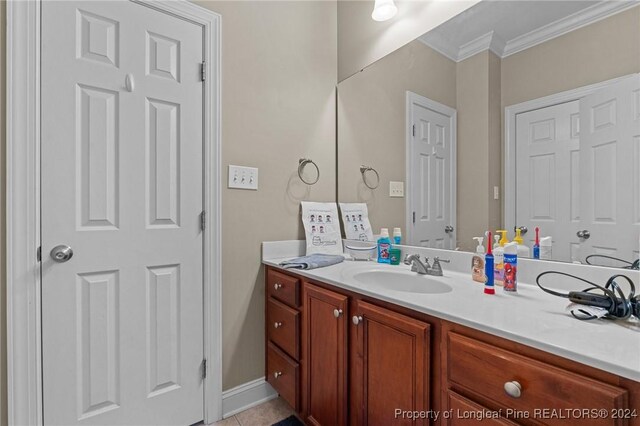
(530, 316)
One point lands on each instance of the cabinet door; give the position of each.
(389, 366)
(325, 356)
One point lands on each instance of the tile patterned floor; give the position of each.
(262, 415)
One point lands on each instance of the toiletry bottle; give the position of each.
(397, 236)
(489, 269)
(536, 245)
(545, 248)
(498, 256)
(523, 251)
(477, 262)
(511, 267)
(384, 245)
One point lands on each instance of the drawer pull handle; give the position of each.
(277, 324)
(356, 320)
(337, 313)
(277, 374)
(277, 286)
(513, 389)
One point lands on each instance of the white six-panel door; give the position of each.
(122, 185)
(548, 176)
(431, 173)
(610, 169)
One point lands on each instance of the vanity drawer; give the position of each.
(284, 288)
(282, 374)
(283, 325)
(485, 370)
(464, 409)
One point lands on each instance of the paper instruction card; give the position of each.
(355, 218)
(321, 227)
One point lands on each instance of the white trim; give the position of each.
(492, 41)
(246, 396)
(510, 114)
(580, 19)
(453, 114)
(24, 365)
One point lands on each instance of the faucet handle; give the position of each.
(438, 260)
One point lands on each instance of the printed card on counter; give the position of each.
(355, 218)
(321, 227)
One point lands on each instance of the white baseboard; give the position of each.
(246, 396)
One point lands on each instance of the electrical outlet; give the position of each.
(243, 177)
(496, 192)
(396, 189)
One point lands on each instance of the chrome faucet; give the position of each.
(416, 264)
(424, 268)
(436, 269)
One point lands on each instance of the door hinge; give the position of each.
(39, 254)
(203, 71)
(413, 130)
(204, 369)
(203, 220)
(414, 217)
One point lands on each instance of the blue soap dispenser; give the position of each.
(384, 245)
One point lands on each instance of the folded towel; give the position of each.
(313, 261)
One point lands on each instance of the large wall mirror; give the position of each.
(512, 114)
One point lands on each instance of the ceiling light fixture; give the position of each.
(383, 10)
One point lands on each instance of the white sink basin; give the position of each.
(403, 281)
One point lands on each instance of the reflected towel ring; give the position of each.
(303, 162)
(365, 169)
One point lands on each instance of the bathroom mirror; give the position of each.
(512, 114)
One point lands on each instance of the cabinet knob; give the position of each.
(277, 286)
(513, 389)
(277, 374)
(356, 319)
(337, 313)
(277, 324)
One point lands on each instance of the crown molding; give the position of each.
(565, 25)
(492, 41)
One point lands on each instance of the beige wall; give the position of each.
(278, 104)
(603, 50)
(3, 260)
(371, 124)
(478, 100)
(363, 41)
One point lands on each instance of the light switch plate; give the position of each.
(396, 189)
(496, 192)
(243, 177)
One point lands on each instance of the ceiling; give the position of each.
(507, 27)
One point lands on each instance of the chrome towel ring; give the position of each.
(301, 164)
(364, 170)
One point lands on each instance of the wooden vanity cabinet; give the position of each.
(325, 356)
(351, 359)
(389, 367)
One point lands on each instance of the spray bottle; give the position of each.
(488, 268)
(536, 245)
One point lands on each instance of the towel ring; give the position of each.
(303, 162)
(364, 170)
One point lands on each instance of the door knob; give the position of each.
(523, 229)
(337, 312)
(356, 319)
(585, 234)
(61, 253)
(448, 229)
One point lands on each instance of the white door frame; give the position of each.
(24, 362)
(445, 110)
(510, 114)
